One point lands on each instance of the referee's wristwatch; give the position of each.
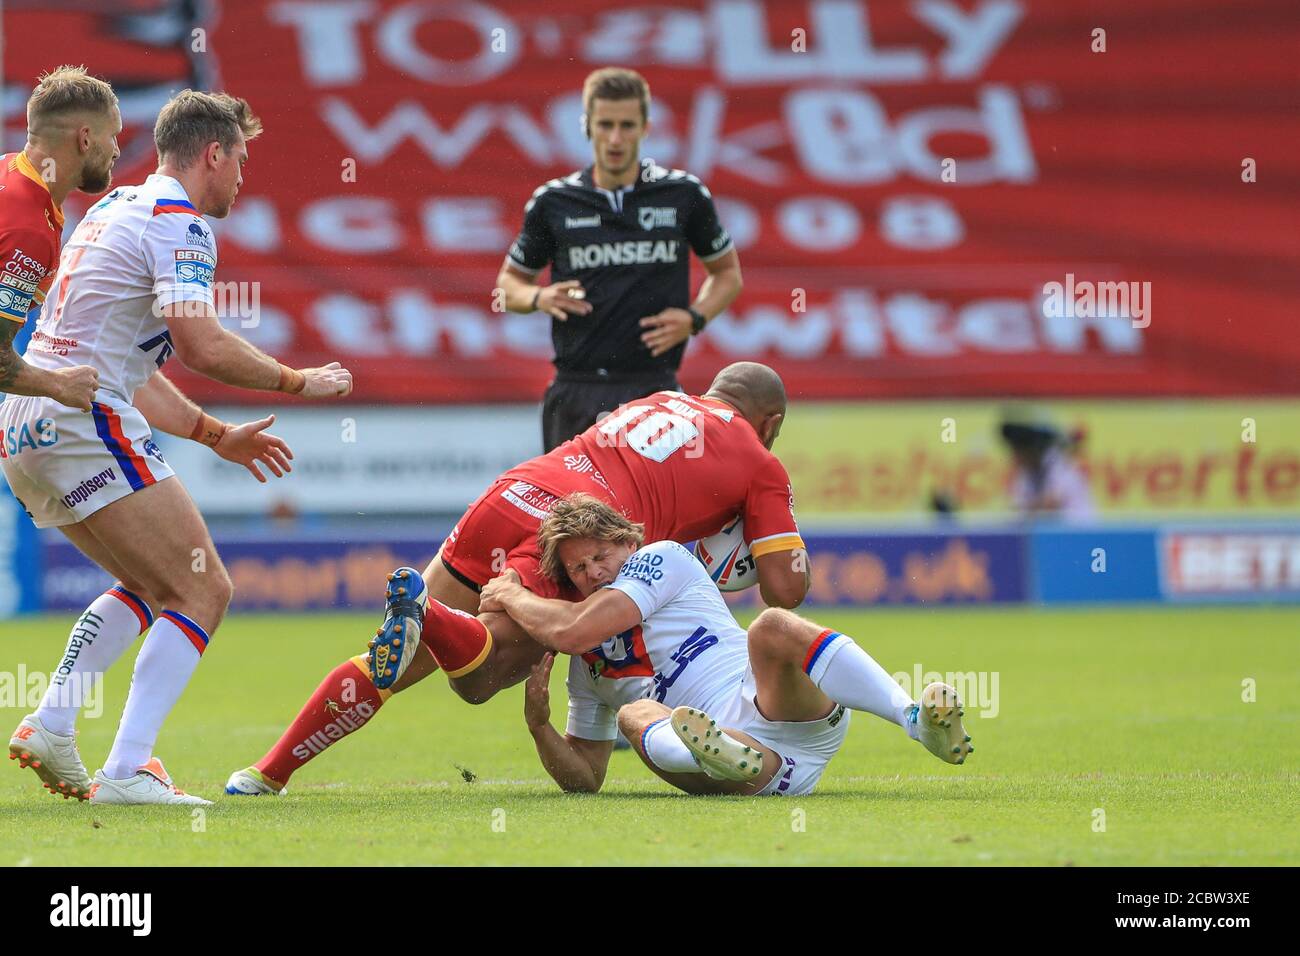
(698, 321)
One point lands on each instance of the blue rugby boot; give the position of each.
(395, 644)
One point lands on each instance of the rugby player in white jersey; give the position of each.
(135, 285)
(707, 706)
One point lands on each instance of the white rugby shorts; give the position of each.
(63, 465)
(805, 746)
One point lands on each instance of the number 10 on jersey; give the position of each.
(649, 431)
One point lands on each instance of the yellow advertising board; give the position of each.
(1144, 459)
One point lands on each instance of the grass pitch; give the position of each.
(1120, 737)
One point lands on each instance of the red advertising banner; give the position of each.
(983, 197)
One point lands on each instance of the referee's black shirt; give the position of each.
(630, 249)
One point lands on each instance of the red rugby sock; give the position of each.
(345, 700)
(460, 642)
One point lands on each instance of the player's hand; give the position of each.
(669, 328)
(537, 693)
(329, 381)
(249, 443)
(76, 386)
(556, 301)
(493, 595)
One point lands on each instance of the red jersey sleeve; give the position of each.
(769, 510)
(29, 258)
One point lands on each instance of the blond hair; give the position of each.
(67, 89)
(192, 119)
(582, 516)
(614, 83)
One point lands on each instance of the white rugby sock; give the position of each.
(103, 632)
(848, 675)
(171, 652)
(666, 751)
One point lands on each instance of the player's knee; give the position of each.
(633, 717)
(774, 624)
(777, 633)
(471, 692)
(219, 590)
(204, 595)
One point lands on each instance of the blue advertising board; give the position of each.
(886, 569)
(306, 575)
(269, 575)
(914, 569)
(1094, 566)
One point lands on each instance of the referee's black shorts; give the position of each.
(575, 400)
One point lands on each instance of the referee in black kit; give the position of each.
(617, 236)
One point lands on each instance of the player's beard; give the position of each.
(222, 211)
(95, 179)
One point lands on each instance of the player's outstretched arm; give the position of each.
(576, 764)
(205, 347)
(166, 408)
(561, 625)
(74, 387)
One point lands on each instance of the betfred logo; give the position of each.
(1231, 564)
(193, 255)
(22, 285)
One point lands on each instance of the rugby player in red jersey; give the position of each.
(681, 465)
(72, 127)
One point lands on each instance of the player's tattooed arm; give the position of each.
(74, 387)
(11, 365)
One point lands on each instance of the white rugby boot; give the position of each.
(52, 757)
(719, 755)
(249, 782)
(151, 784)
(936, 723)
